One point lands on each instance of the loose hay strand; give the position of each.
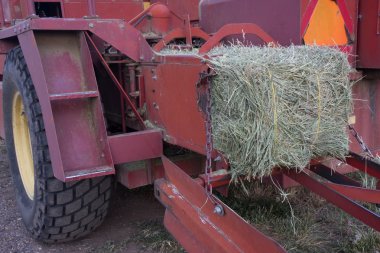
(279, 106)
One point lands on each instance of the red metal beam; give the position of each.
(307, 16)
(356, 193)
(346, 15)
(235, 29)
(333, 176)
(364, 164)
(91, 8)
(118, 33)
(356, 210)
(137, 146)
(190, 216)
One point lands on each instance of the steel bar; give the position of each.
(356, 193)
(30, 6)
(333, 176)
(356, 210)
(122, 102)
(364, 164)
(91, 8)
(186, 201)
(117, 83)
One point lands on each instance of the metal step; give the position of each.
(74, 95)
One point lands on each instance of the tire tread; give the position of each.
(66, 211)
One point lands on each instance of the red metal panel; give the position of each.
(172, 101)
(33, 60)
(366, 94)
(368, 40)
(183, 8)
(82, 134)
(13, 9)
(280, 19)
(78, 148)
(122, 9)
(119, 9)
(118, 33)
(137, 146)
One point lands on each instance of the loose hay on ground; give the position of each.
(279, 106)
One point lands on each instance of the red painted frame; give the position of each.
(172, 107)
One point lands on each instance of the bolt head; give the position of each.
(218, 209)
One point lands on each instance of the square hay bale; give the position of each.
(279, 106)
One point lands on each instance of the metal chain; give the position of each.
(359, 139)
(205, 80)
(209, 143)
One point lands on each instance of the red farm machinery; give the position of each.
(88, 99)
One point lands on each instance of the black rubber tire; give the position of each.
(59, 211)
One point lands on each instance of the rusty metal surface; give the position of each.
(33, 59)
(187, 201)
(79, 146)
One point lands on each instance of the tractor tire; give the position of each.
(52, 211)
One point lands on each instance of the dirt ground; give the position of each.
(128, 208)
(304, 223)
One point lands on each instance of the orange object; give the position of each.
(326, 26)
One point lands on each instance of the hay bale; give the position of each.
(277, 106)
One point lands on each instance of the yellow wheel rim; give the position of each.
(23, 145)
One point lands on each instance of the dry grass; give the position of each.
(277, 106)
(304, 222)
(152, 235)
